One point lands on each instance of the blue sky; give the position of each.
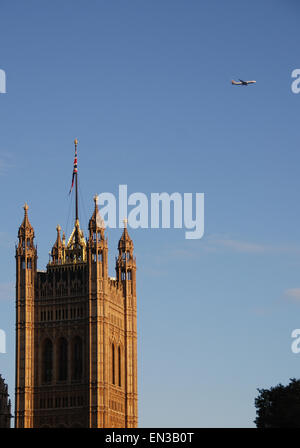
(146, 88)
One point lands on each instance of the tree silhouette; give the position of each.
(279, 406)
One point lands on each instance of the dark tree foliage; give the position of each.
(279, 406)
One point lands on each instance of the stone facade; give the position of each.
(76, 331)
(5, 412)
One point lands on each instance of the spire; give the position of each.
(125, 262)
(26, 228)
(58, 243)
(125, 242)
(97, 243)
(96, 222)
(26, 224)
(25, 245)
(57, 251)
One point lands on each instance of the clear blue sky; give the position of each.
(146, 88)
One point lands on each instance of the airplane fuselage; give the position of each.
(242, 83)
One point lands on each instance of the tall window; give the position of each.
(119, 366)
(62, 359)
(113, 364)
(77, 358)
(47, 361)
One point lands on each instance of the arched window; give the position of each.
(47, 361)
(113, 364)
(62, 359)
(77, 358)
(119, 366)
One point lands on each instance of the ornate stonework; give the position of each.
(5, 412)
(76, 332)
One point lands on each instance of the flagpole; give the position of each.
(76, 184)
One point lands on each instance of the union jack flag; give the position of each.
(75, 167)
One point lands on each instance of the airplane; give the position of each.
(242, 83)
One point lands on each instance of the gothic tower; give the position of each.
(5, 414)
(26, 263)
(126, 276)
(76, 351)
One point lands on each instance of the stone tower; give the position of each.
(5, 412)
(76, 332)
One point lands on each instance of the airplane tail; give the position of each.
(233, 82)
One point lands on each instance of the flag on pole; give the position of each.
(75, 166)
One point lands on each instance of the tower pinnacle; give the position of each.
(26, 229)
